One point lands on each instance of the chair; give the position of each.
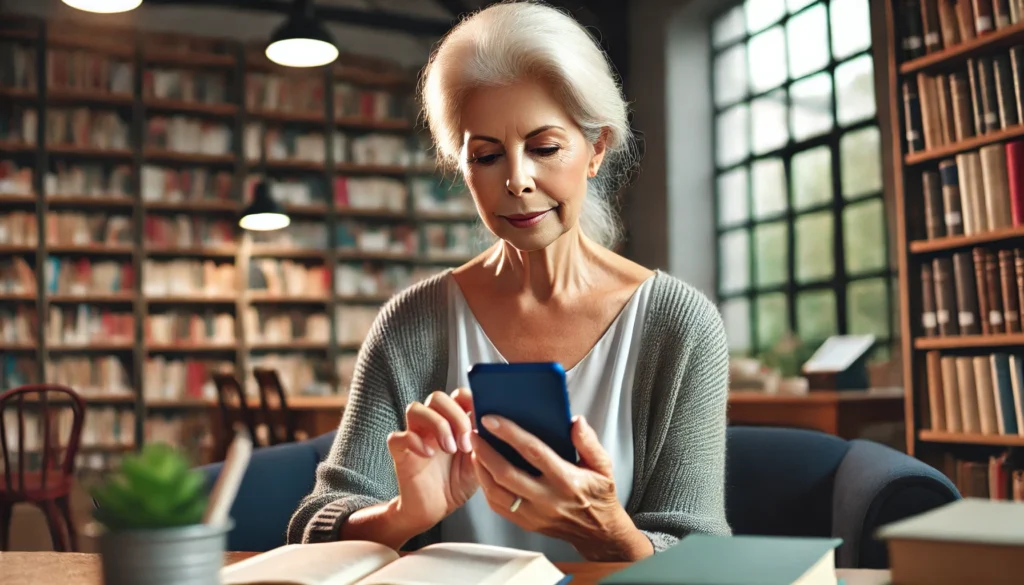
(779, 481)
(280, 421)
(230, 394)
(48, 486)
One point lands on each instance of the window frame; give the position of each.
(791, 288)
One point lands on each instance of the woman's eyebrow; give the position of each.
(531, 134)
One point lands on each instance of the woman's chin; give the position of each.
(530, 239)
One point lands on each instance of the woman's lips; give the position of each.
(525, 220)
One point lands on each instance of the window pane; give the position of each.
(814, 259)
(794, 5)
(816, 315)
(851, 27)
(734, 269)
(736, 315)
(772, 319)
(812, 177)
(731, 75)
(867, 307)
(732, 137)
(769, 122)
(767, 58)
(762, 13)
(811, 106)
(855, 90)
(729, 27)
(807, 35)
(770, 262)
(732, 197)
(769, 186)
(861, 162)
(864, 236)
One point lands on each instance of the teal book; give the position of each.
(701, 559)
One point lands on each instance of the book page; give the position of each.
(329, 563)
(467, 564)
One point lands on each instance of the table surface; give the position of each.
(46, 568)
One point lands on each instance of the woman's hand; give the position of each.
(432, 461)
(575, 503)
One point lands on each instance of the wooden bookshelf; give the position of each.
(972, 439)
(980, 45)
(973, 143)
(969, 341)
(962, 242)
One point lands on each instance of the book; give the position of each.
(700, 559)
(972, 540)
(370, 563)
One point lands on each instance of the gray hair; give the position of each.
(526, 39)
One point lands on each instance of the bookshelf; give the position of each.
(123, 271)
(955, 93)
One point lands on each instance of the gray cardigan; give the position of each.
(679, 414)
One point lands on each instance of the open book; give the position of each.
(368, 563)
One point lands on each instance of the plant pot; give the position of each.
(186, 555)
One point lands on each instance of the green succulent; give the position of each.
(151, 490)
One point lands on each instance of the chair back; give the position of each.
(274, 406)
(230, 395)
(40, 434)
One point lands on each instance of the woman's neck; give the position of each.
(567, 265)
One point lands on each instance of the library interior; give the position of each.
(224, 370)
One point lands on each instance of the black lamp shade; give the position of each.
(301, 41)
(263, 213)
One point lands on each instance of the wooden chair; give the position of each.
(48, 487)
(280, 421)
(231, 396)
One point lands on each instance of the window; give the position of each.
(802, 243)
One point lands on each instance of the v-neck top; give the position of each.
(600, 388)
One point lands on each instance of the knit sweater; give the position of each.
(680, 393)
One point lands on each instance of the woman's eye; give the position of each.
(546, 150)
(485, 159)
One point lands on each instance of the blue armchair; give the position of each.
(783, 482)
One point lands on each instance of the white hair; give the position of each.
(517, 40)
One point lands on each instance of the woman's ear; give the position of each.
(600, 148)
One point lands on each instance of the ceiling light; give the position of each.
(104, 6)
(263, 214)
(301, 41)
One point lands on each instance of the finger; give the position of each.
(498, 498)
(530, 447)
(464, 398)
(404, 441)
(429, 424)
(591, 452)
(503, 472)
(457, 418)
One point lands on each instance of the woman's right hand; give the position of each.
(432, 458)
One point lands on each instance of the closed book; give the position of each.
(996, 187)
(1001, 13)
(914, 132)
(966, 294)
(963, 106)
(1006, 96)
(967, 166)
(1017, 384)
(985, 388)
(983, 17)
(989, 99)
(947, 23)
(1015, 180)
(945, 296)
(994, 291)
(934, 217)
(951, 394)
(964, 19)
(950, 179)
(1006, 411)
(1008, 286)
(968, 394)
(1016, 71)
(936, 403)
(947, 117)
(1018, 266)
(929, 323)
(911, 31)
(930, 26)
(981, 284)
(1014, 11)
(931, 119)
(976, 100)
(703, 559)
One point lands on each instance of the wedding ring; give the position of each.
(515, 504)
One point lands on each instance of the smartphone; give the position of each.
(532, 395)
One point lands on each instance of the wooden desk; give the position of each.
(844, 414)
(46, 568)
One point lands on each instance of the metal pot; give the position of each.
(186, 555)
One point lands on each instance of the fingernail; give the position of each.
(467, 446)
(449, 444)
(428, 450)
(490, 422)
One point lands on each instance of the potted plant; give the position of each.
(150, 513)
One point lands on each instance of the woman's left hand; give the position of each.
(575, 503)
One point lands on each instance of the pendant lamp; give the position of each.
(104, 6)
(301, 41)
(263, 214)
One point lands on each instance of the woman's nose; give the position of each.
(520, 176)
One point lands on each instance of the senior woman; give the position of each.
(523, 103)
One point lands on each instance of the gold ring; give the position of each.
(515, 504)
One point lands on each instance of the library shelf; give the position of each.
(284, 116)
(971, 438)
(966, 241)
(95, 249)
(373, 213)
(191, 300)
(297, 345)
(261, 298)
(981, 45)
(199, 158)
(86, 151)
(969, 341)
(168, 105)
(17, 298)
(13, 199)
(356, 123)
(188, 206)
(99, 298)
(291, 253)
(192, 251)
(92, 347)
(191, 347)
(16, 249)
(972, 143)
(104, 202)
(363, 299)
(188, 58)
(86, 96)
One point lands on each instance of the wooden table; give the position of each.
(844, 414)
(50, 568)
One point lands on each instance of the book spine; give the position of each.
(912, 113)
(1015, 180)
(983, 21)
(976, 101)
(945, 297)
(947, 117)
(951, 198)
(929, 321)
(981, 285)
(963, 106)
(930, 26)
(1005, 93)
(965, 19)
(990, 102)
(996, 185)
(994, 288)
(965, 171)
(1018, 268)
(951, 394)
(912, 36)
(930, 117)
(1008, 282)
(1001, 13)
(936, 404)
(1016, 71)
(966, 294)
(934, 218)
(948, 24)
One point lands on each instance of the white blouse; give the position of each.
(600, 388)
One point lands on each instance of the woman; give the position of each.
(521, 99)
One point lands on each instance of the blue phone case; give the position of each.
(532, 395)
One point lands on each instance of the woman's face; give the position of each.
(526, 163)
